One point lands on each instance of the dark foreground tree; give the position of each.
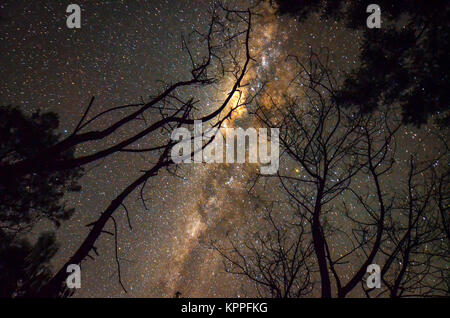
(364, 202)
(26, 200)
(405, 62)
(24, 268)
(226, 55)
(276, 257)
(44, 170)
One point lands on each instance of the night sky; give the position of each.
(122, 49)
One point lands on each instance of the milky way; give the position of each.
(122, 49)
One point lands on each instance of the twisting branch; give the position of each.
(117, 255)
(346, 184)
(277, 259)
(181, 116)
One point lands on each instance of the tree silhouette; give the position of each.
(346, 186)
(404, 62)
(277, 258)
(227, 53)
(24, 268)
(23, 201)
(38, 166)
(417, 244)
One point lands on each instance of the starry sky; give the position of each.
(122, 49)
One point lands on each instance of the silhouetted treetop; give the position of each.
(38, 195)
(405, 61)
(24, 267)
